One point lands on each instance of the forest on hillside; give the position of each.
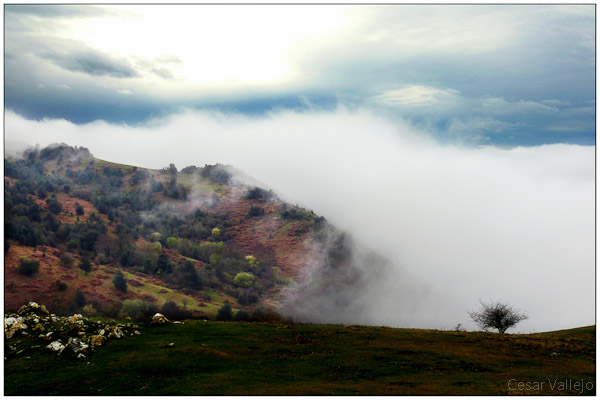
(154, 223)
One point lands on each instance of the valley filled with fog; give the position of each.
(455, 223)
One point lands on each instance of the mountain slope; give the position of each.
(197, 237)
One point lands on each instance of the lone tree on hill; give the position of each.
(120, 282)
(497, 316)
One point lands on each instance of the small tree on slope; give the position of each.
(120, 282)
(497, 316)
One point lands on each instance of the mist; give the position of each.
(455, 224)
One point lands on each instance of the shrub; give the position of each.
(252, 261)
(247, 297)
(65, 260)
(207, 249)
(28, 267)
(156, 186)
(41, 192)
(255, 211)
(188, 275)
(172, 311)
(50, 223)
(295, 213)
(80, 298)
(120, 282)
(155, 236)
(163, 265)
(244, 279)
(139, 175)
(60, 285)
(137, 309)
(54, 205)
(497, 316)
(225, 313)
(216, 173)
(261, 314)
(79, 209)
(85, 265)
(252, 297)
(190, 169)
(33, 212)
(173, 243)
(242, 315)
(257, 193)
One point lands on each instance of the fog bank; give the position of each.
(458, 224)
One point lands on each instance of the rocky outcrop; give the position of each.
(56, 346)
(33, 308)
(73, 335)
(158, 319)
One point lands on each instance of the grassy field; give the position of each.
(226, 358)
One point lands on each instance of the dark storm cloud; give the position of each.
(37, 103)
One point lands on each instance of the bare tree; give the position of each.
(497, 316)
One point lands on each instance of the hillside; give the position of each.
(186, 241)
(237, 358)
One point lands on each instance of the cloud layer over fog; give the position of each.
(461, 224)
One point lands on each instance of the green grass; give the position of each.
(285, 229)
(200, 183)
(164, 294)
(100, 164)
(216, 358)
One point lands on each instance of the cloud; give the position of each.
(125, 92)
(160, 66)
(417, 96)
(432, 65)
(91, 62)
(459, 224)
(487, 120)
(555, 102)
(162, 72)
(499, 106)
(45, 11)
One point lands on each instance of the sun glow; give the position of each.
(207, 47)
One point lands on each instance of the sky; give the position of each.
(480, 74)
(456, 141)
